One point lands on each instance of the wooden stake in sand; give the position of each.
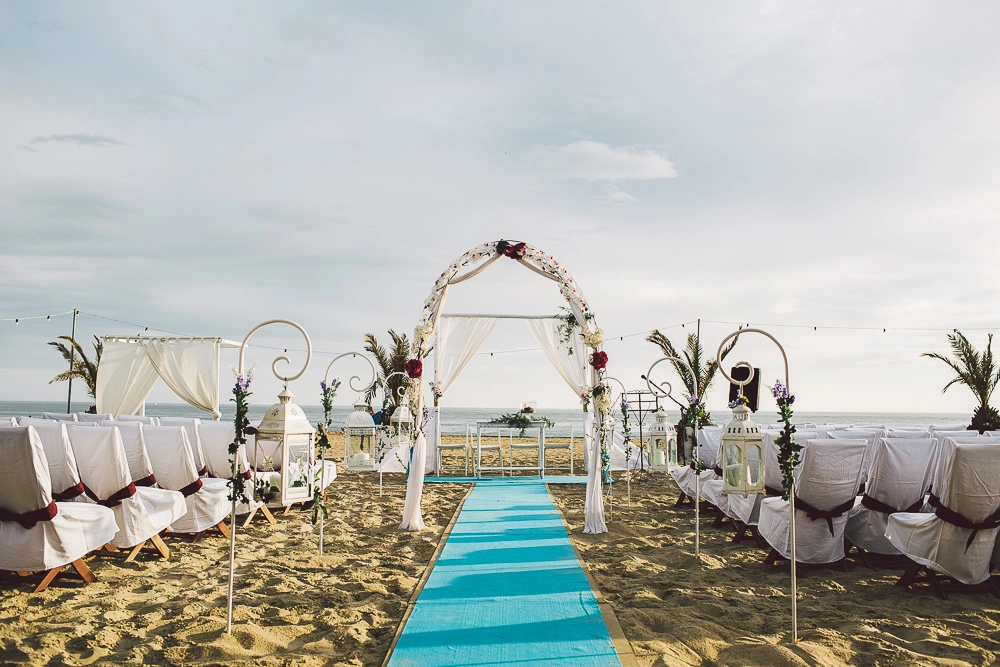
(286, 380)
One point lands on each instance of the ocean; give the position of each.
(454, 420)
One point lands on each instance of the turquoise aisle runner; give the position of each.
(507, 589)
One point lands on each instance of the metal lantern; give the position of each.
(401, 423)
(743, 455)
(662, 443)
(359, 439)
(285, 428)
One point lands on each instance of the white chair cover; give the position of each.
(828, 479)
(709, 439)
(135, 451)
(173, 462)
(151, 421)
(60, 416)
(967, 482)
(934, 428)
(215, 440)
(747, 509)
(88, 417)
(13, 422)
(191, 426)
(907, 432)
(899, 477)
(73, 529)
(63, 471)
(140, 512)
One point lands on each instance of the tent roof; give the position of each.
(191, 339)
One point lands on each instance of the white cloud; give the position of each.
(79, 139)
(594, 161)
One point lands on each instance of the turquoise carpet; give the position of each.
(507, 589)
(491, 479)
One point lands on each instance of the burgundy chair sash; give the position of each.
(949, 515)
(771, 491)
(878, 506)
(203, 471)
(815, 513)
(148, 480)
(29, 519)
(191, 488)
(115, 499)
(717, 470)
(70, 493)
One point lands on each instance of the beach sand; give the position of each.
(293, 607)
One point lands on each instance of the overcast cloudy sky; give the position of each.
(200, 167)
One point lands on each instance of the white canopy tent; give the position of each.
(131, 365)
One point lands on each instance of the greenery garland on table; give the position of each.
(328, 393)
(788, 449)
(522, 421)
(241, 393)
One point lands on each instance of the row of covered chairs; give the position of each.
(930, 494)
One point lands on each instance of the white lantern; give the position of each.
(743, 455)
(285, 428)
(359, 439)
(662, 443)
(401, 423)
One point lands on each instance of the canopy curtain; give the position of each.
(458, 340)
(190, 369)
(124, 378)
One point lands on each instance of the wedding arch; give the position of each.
(588, 383)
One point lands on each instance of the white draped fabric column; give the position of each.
(124, 378)
(593, 513)
(412, 520)
(573, 368)
(190, 369)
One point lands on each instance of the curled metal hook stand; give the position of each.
(350, 383)
(744, 364)
(653, 387)
(401, 389)
(274, 364)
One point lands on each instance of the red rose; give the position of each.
(414, 368)
(512, 250)
(599, 360)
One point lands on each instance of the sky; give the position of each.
(820, 170)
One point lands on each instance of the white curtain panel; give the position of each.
(574, 368)
(594, 505)
(458, 340)
(124, 378)
(189, 368)
(415, 486)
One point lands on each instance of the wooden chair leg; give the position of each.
(935, 583)
(719, 520)
(270, 517)
(288, 508)
(112, 548)
(22, 573)
(84, 571)
(47, 580)
(908, 577)
(197, 536)
(161, 546)
(135, 551)
(680, 499)
(250, 516)
(772, 557)
(223, 528)
(740, 529)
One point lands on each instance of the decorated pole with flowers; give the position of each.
(328, 391)
(788, 449)
(695, 411)
(238, 481)
(469, 265)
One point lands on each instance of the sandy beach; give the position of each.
(293, 607)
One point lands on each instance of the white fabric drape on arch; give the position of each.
(191, 371)
(457, 341)
(124, 379)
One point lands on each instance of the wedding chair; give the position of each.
(897, 482)
(63, 471)
(745, 512)
(825, 488)
(191, 425)
(149, 421)
(12, 422)
(135, 451)
(215, 440)
(871, 435)
(958, 539)
(489, 447)
(441, 447)
(933, 428)
(569, 444)
(173, 462)
(37, 533)
(141, 513)
(60, 416)
(913, 432)
(536, 447)
(90, 417)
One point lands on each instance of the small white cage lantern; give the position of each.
(401, 423)
(285, 428)
(663, 443)
(743, 455)
(359, 439)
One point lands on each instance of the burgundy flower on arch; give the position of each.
(599, 359)
(512, 250)
(414, 368)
